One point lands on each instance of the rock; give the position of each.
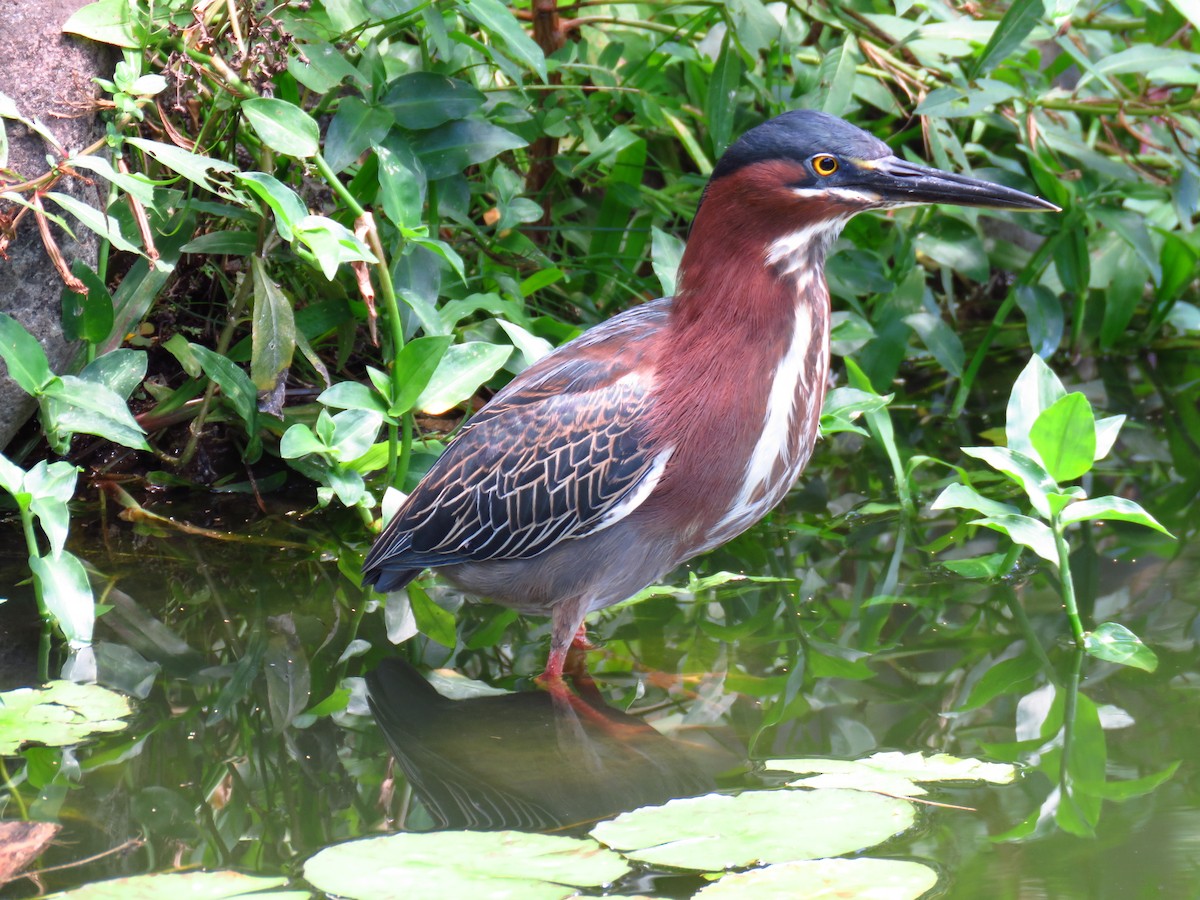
(48, 75)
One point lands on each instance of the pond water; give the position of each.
(253, 744)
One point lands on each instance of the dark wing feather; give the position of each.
(552, 457)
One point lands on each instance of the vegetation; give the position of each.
(332, 229)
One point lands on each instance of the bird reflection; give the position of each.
(530, 761)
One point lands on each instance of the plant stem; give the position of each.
(1064, 577)
(15, 794)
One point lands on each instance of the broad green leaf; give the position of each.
(273, 329)
(106, 22)
(283, 126)
(24, 356)
(1071, 259)
(352, 395)
(1064, 436)
(846, 879)
(1035, 389)
(459, 374)
(423, 100)
(355, 128)
(956, 245)
(413, 866)
(1020, 19)
(1043, 318)
(299, 441)
(500, 21)
(81, 405)
(332, 243)
(666, 250)
(1002, 678)
(838, 70)
(223, 243)
(87, 316)
(354, 432)
(135, 184)
(939, 339)
(720, 104)
(1117, 644)
(401, 182)
(531, 346)
(719, 831)
(450, 148)
(990, 565)
(190, 885)
(285, 203)
(192, 166)
(434, 622)
(235, 385)
(322, 68)
(1022, 469)
(1117, 508)
(1107, 430)
(51, 487)
(1028, 532)
(960, 496)
(101, 223)
(67, 593)
(59, 714)
(11, 476)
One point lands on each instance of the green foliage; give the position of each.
(1054, 437)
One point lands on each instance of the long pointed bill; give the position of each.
(898, 181)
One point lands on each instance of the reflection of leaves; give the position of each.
(895, 878)
(59, 714)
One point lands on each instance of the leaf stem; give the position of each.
(1064, 577)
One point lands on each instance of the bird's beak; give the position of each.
(898, 181)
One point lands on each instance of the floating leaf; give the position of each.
(190, 885)
(718, 831)
(845, 879)
(59, 714)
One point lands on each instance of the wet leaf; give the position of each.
(192, 885)
(1117, 508)
(718, 831)
(1036, 388)
(67, 593)
(1024, 470)
(845, 879)
(960, 496)
(59, 714)
(1115, 643)
(273, 335)
(485, 864)
(1064, 436)
(1026, 531)
(459, 374)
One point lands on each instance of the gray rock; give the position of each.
(49, 76)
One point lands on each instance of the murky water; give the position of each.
(226, 765)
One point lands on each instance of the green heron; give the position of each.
(671, 428)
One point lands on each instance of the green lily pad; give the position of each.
(844, 879)
(719, 831)
(484, 864)
(192, 885)
(58, 714)
(892, 773)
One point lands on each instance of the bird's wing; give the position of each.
(560, 453)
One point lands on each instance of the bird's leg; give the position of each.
(581, 641)
(566, 623)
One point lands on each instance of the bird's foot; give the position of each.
(581, 641)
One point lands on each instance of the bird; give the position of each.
(670, 428)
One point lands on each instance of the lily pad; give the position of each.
(192, 885)
(844, 879)
(58, 714)
(719, 831)
(452, 864)
(893, 773)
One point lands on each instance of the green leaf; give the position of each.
(960, 496)
(87, 316)
(401, 182)
(106, 22)
(192, 885)
(1043, 317)
(1064, 437)
(1107, 430)
(499, 20)
(452, 147)
(666, 250)
(1117, 644)
(422, 100)
(80, 405)
(940, 340)
(323, 68)
(1035, 389)
(51, 488)
(459, 374)
(843, 878)
(59, 714)
(838, 70)
(67, 593)
(283, 126)
(273, 330)
(192, 166)
(354, 432)
(332, 243)
(1002, 678)
(299, 441)
(101, 223)
(1026, 531)
(720, 103)
(353, 395)
(223, 243)
(285, 203)
(719, 831)
(486, 864)
(355, 128)
(235, 385)
(24, 356)
(1117, 508)
(1022, 469)
(1020, 19)
(434, 622)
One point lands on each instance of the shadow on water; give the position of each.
(257, 669)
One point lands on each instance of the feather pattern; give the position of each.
(560, 453)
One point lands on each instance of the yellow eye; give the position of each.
(825, 164)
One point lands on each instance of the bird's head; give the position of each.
(821, 162)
